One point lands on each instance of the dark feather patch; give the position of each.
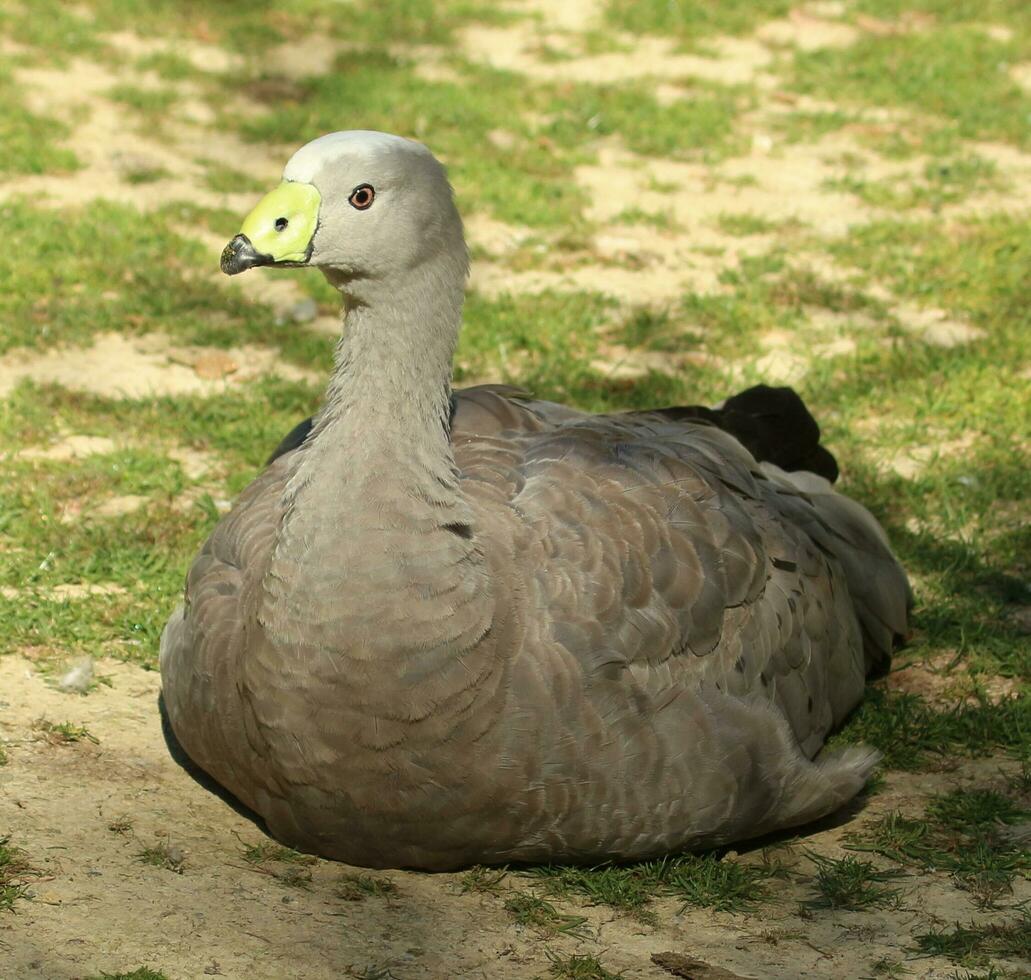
(773, 424)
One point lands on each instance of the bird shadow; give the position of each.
(200, 777)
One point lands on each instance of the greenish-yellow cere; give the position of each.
(283, 222)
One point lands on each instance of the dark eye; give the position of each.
(362, 196)
(281, 224)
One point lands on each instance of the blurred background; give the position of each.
(666, 201)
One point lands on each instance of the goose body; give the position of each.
(473, 628)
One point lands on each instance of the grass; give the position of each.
(579, 966)
(482, 880)
(951, 73)
(961, 833)
(15, 872)
(911, 733)
(943, 181)
(698, 881)
(147, 276)
(293, 869)
(972, 945)
(163, 854)
(742, 224)
(140, 973)
(29, 142)
(689, 20)
(534, 912)
(851, 884)
(358, 887)
(64, 732)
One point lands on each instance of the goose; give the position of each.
(446, 628)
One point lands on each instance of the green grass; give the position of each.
(951, 73)
(140, 973)
(534, 912)
(973, 945)
(163, 855)
(29, 143)
(961, 833)
(579, 966)
(287, 866)
(15, 872)
(358, 887)
(482, 879)
(690, 20)
(526, 183)
(252, 29)
(696, 880)
(911, 733)
(745, 224)
(67, 275)
(944, 181)
(851, 884)
(64, 732)
(152, 104)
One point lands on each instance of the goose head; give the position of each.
(364, 207)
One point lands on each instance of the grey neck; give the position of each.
(375, 524)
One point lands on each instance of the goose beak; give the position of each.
(279, 231)
(240, 255)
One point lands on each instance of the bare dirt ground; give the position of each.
(92, 808)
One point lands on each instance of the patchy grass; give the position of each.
(140, 973)
(30, 143)
(267, 850)
(973, 945)
(358, 887)
(287, 866)
(64, 732)
(690, 19)
(942, 182)
(579, 966)
(534, 912)
(525, 182)
(163, 854)
(662, 220)
(851, 884)
(743, 224)
(961, 833)
(69, 275)
(698, 880)
(910, 732)
(951, 72)
(15, 872)
(482, 880)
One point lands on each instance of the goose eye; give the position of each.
(362, 196)
(281, 224)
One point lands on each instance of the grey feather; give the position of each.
(530, 634)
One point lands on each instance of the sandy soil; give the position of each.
(97, 907)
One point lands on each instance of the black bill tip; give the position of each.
(240, 255)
